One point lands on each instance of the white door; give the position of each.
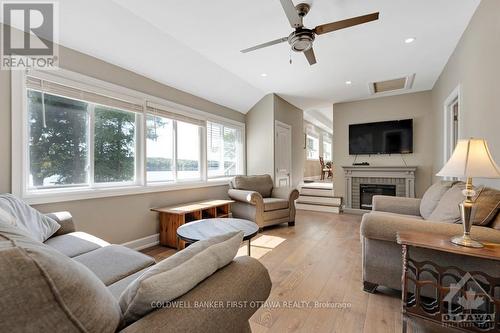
(282, 154)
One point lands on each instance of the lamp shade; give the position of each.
(471, 158)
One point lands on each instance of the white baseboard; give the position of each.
(143, 243)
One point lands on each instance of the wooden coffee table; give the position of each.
(208, 228)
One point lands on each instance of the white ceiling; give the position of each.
(194, 45)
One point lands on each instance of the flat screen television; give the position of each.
(386, 137)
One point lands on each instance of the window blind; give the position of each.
(75, 93)
(161, 110)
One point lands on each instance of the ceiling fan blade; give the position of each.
(310, 56)
(329, 27)
(273, 42)
(291, 13)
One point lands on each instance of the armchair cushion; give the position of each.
(275, 204)
(262, 184)
(432, 196)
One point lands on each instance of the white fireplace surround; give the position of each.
(402, 175)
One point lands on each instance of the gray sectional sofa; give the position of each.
(43, 290)
(437, 212)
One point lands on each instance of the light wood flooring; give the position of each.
(317, 260)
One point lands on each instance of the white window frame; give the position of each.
(328, 140)
(307, 148)
(241, 166)
(20, 151)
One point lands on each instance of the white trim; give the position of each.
(143, 243)
(43, 197)
(20, 166)
(456, 94)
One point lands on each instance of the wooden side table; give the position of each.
(173, 217)
(465, 301)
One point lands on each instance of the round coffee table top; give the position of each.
(203, 229)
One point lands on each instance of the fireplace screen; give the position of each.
(367, 191)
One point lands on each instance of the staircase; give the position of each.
(318, 197)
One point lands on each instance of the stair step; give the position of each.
(319, 208)
(322, 200)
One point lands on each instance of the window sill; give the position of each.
(45, 197)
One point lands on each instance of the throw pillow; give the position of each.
(486, 206)
(432, 196)
(178, 274)
(16, 212)
(447, 209)
(43, 290)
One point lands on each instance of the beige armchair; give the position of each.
(257, 200)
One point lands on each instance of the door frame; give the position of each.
(455, 95)
(289, 127)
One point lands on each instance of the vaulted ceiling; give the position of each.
(195, 45)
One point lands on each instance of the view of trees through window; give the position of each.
(59, 133)
(222, 150)
(81, 143)
(312, 145)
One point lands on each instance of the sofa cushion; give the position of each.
(262, 184)
(432, 196)
(495, 224)
(447, 209)
(178, 274)
(42, 290)
(119, 286)
(16, 212)
(274, 204)
(75, 243)
(114, 262)
(486, 206)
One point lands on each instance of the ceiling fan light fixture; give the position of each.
(301, 40)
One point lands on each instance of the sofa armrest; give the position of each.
(398, 205)
(65, 220)
(385, 226)
(228, 299)
(251, 197)
(287, 193)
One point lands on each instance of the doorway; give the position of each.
(283, 154)
(452, 122)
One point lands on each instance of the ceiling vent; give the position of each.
(402, 83)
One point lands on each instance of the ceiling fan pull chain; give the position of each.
(290, 55)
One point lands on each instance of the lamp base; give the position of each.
(466, 241)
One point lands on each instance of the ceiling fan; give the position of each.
(301, 40)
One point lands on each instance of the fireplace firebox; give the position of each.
(367, 191)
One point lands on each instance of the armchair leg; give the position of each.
(370, 287)
(291, 223)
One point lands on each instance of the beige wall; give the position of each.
(260, 137)
(312, 168)
(475, 66)
(124, 218)
(293, 116)
(417, 106)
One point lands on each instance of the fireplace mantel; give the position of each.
(378, 174)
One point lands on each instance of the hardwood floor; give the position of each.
(315, 268)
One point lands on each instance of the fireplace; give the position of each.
(367, 191)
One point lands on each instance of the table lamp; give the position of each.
(471, 158)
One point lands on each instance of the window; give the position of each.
(60, 141)
(327, 148)
(188, 151)
(312, 145)
(224, 151)
(82, 140)
(160, 149)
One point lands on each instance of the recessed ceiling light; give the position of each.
(348, 83)
(263, 75)
(410, 40)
